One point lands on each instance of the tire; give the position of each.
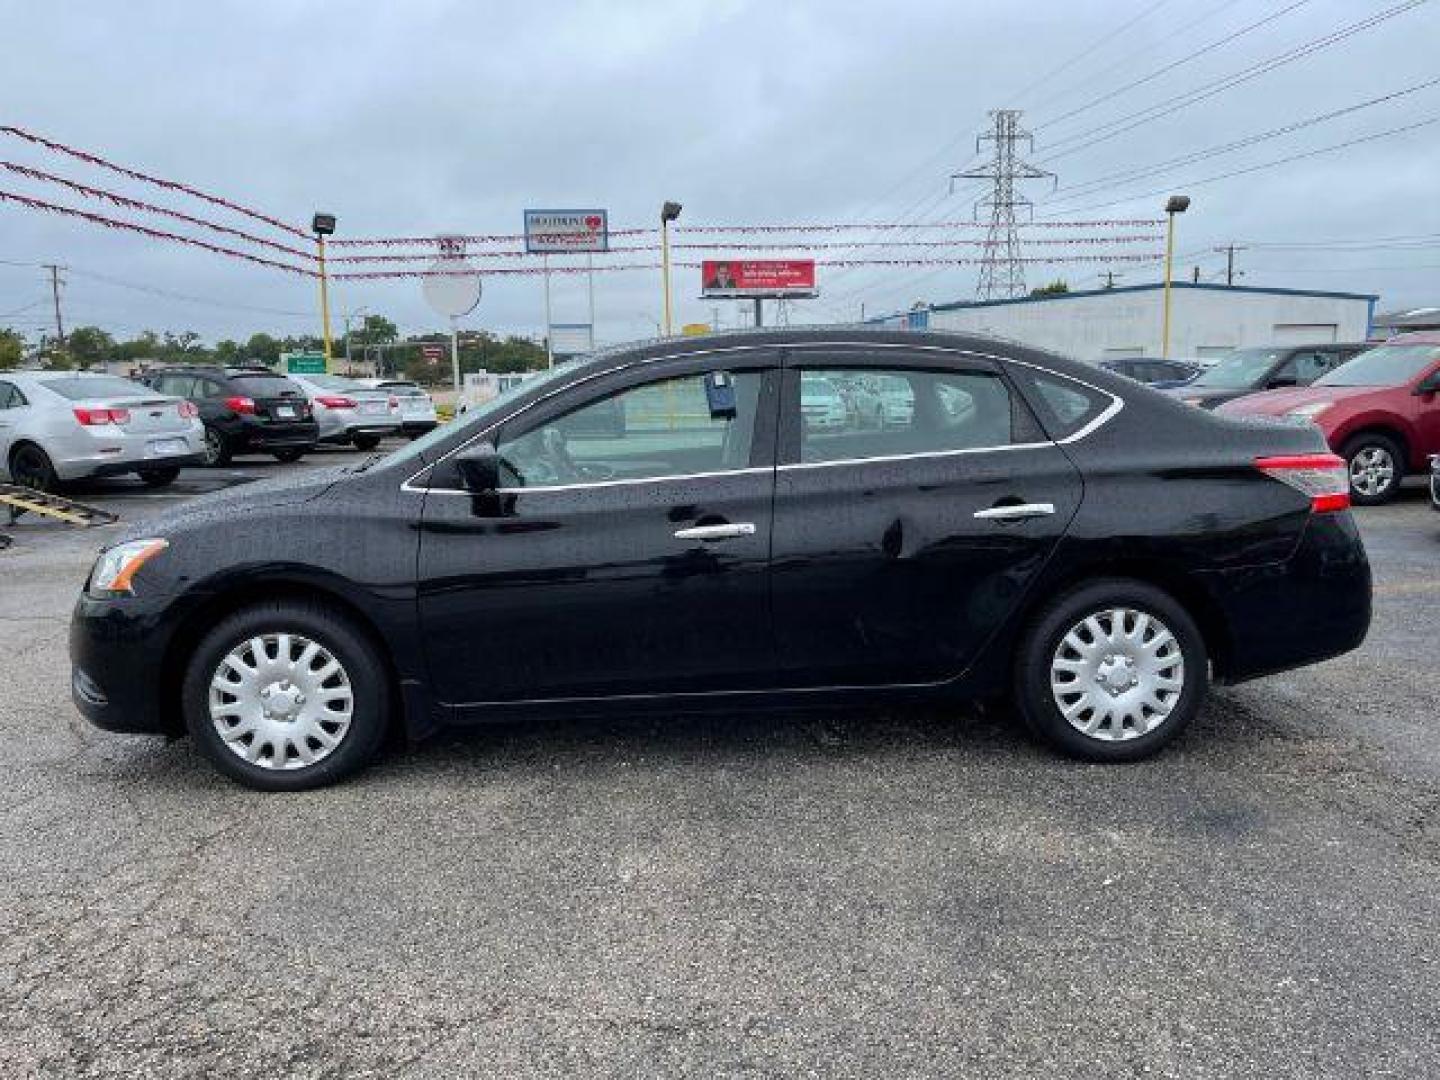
(217, 450)
(1090, 678)
(158, 478)
(1376, 465)
(30, 467)
(288, 456)
(272, 738)
(365, 442)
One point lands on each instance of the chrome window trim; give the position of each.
(1108, 413)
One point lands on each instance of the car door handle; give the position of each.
(1016, 511)
(716, 532)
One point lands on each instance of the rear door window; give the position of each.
(265, 386)
(907, 412)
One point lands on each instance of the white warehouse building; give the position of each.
(1205, 320)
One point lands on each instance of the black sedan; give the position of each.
(1036, 529)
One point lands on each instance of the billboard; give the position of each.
(757, 277)
(559, 232)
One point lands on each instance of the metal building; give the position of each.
(1205, 320)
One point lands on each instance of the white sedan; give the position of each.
(417, 409)
(348, 411)
(68, 425)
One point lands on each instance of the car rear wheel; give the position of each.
(287, 456)
(365, 442)
(217, 450)
(285, 696)
(159, 477)
(1376, 465)
(1111, 671)
(30, 467)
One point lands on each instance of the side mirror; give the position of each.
(1429, 385)
(479, 467)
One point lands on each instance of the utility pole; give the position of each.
(1110, 276)
(1002, 272)
(55, 284)
(1229, 252)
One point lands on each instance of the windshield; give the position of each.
(84, 387)
(1389, 365)
(1241, 370)
(476, 418)
(334, 382)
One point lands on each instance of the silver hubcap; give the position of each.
(1372, 470)
(281, 701)
(1117, 674)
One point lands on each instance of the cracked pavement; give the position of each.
(869, 894)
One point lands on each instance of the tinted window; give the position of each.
(10, 396)
(1388, 365)
(265, 386)
(1065, 406)
(866, 413)
(100, 386)
(1241, 370)
(1306, 367)
(662, 428)
(176, 385)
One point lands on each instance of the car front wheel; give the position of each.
(1111, 671)
(285, 696)
(1376, 466)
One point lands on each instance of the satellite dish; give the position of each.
(453, 289)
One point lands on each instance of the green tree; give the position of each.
(376, 330)
(12, 349)
(89, 346)
(1055, 288)
(262, 349)
(228, 352)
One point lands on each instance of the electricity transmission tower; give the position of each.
(1002, 274)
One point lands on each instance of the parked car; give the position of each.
(862, 399)
(348, 412)
(62, 425)
(1055, 533)
(1155, 371)
(1245, 371)
(898, 399)
(1380, 412)
(417, 409)
(245, 410)
(821, 404)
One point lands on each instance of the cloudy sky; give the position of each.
(426, 116)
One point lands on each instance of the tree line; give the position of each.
(376, 340)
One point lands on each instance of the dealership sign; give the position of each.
(558, 232)
(758, 277)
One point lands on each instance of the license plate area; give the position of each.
(166, 448)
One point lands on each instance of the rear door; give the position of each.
(628, 552)
(898, 552)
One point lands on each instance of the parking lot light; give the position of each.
(668, 213)
(323, 225)
(1176, 204)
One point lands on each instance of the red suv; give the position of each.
(1379, 411)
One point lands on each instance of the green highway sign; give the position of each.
(304, 363)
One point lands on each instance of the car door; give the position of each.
(627, 552)
(13, 409)
(898, 553)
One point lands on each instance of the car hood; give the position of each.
(1279, 402)
(240, 499)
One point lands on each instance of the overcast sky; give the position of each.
(426, 116)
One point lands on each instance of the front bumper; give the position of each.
(116, 655)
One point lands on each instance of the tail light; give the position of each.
(240, 404)
(331, 401)
(100, 417)
(1323, 477)
(188, 410)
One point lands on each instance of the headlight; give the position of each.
(118, 565)
(1311, 411)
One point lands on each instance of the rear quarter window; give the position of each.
(1065, 406)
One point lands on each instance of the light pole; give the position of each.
(323, 225)
(668, 213)
(1177, 204)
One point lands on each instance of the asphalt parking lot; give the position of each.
(873, 894)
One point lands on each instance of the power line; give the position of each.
(189, 298)
(1253, 168)
(1099, 44)
(1195, 55)
(1118, 126)
(1101, 183)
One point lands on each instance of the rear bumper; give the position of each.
(104, 452)
(418, 426)
(1313, 606)
(116, 468)
(255, 436)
